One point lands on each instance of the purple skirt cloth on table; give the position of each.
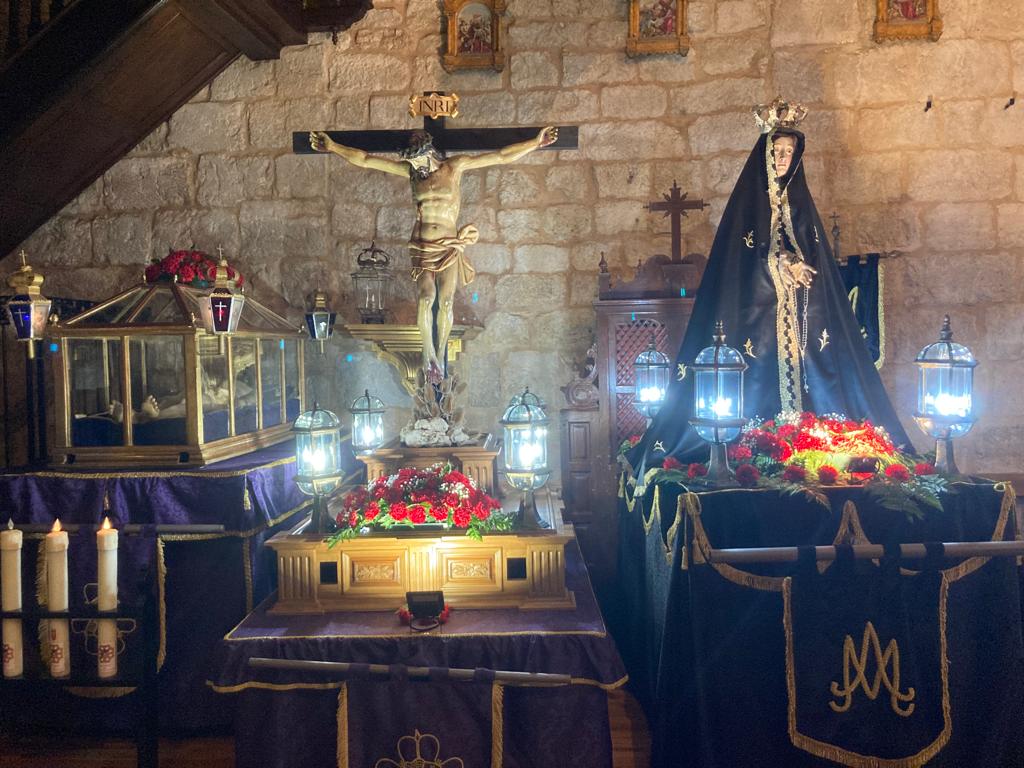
(212, 581)
(290, 718)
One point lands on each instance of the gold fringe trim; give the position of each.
(283, 687)
(673, 532)
(100, 693)
(497, 726)
(655, 517)
(161, 589)
(246, 501)
(343, 726)
(881, 316)
(702, 547)
(854, 759)
(247, 573)
(280, 687)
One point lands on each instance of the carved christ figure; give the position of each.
(437, 245)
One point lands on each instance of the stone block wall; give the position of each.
(945, 186)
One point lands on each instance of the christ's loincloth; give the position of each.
(438, 255)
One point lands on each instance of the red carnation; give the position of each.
(747, 475)
(452, 500)
(353, 519)
(696, 470)
(399, 511)
(372, 510)
(187, 274)
(417, 515)
(786, 431)
(781, 452)
(740, 452)
(897, 472)
(439, 513)
(924, 468)
(481, 512)
(827, 474)
(671, 462)
(461, 517)
(794, 473)
(634, 439)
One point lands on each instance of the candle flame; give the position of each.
(10, 524)
(106, 524)
(56, 526)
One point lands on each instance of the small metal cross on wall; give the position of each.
(676, 205)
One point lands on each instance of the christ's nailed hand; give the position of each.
(547, 137)
(318, 140)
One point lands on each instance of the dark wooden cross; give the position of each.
(676, 205)
(445, 139)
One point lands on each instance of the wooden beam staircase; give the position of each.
(84, 81)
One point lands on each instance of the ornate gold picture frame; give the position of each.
(907, 20)
(475, 37)
(657, 26)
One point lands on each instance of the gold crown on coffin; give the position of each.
(422, 750)
(779, 114)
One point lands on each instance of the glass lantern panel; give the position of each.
(243, 370)
(270, 373)
(718, 397)
(216, 402)
(94, 383)
(157, 366)
(946, 394)
(291, 379)
(367, 431)
(115, 311)
(160, 304)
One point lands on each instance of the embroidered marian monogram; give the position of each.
(682, 372)
(859, 664)
(421, 750)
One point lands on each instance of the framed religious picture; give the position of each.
(907, 20)
(475, 34)
(657, 26)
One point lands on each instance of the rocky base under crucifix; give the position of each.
(436, 417)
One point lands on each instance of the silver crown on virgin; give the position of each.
(779, 114)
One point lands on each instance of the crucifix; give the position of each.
(676, 205)
(437, 244)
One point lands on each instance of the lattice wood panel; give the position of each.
(630, 340)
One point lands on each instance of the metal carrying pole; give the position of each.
(956, 549)
(414, 673)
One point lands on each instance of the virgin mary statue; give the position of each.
(771, 278)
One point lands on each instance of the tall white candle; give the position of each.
(56, 547)
(10, 600)
(106, 579)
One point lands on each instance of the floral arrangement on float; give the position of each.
(195, 269)
(437, 496)
(800, 453)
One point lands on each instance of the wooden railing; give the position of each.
(23, 20)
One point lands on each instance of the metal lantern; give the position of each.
(223, 306)
(525, 426)
(651, 371)
(367, 422)
(945, 394)
(718, 401)
(320, 319)
(28, 308)
(372, 282)
(317, 459)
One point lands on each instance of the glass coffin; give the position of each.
(139, 381)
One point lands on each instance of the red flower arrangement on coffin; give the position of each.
(436, 495)
(813, 442)
(192, 268)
